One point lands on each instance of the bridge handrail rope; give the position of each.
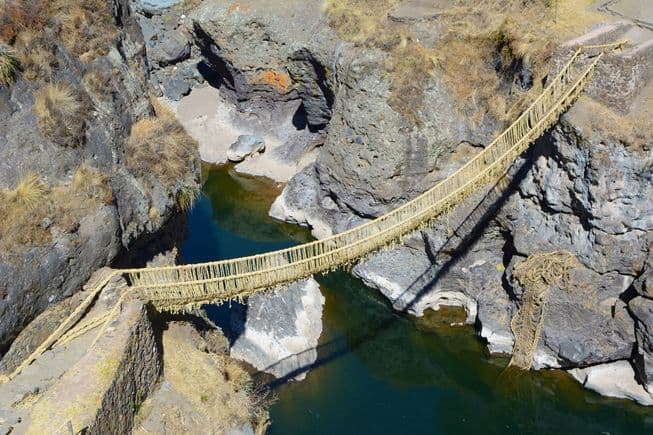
(175, 287)
(248, 267)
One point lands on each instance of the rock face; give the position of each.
(245, 146)
(581, 188)
(278, 332)
(269, 53)
(121, 366)
(616, 379)
(172, 48)
(642, 310)
(40, 274)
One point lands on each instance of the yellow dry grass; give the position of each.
(87, 28)
(632, 129)
(480, 43)
(159, 149)
(358, 20)
(60, 113)
(32, 209)
(216, 386)
(36, 54)
(84, 27)
(9, 67)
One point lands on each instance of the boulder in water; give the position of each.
(279, 331)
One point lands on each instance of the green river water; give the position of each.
(379, 372)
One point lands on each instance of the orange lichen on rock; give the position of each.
(245, 8)
(280, 81)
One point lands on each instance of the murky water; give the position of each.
(383, 373)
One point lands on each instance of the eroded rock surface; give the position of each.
(278, 332)
(114, 86)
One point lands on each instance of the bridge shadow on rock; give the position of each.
(471, 229)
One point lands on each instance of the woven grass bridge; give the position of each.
(177, 288)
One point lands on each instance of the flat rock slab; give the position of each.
(616, 379)
(641, 10)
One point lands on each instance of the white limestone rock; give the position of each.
(279, 331)
(615, 379)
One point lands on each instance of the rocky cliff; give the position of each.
(73, 194)
(584, 187)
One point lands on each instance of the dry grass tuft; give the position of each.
(159, 149)
(29, 192)
(358, 20)
(632, 129)
(31, 210)
(37, 55)
(93, 183)
(87, 28)
(186, 197)
(61, 113)
(9, 67)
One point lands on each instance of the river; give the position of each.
(379, 372)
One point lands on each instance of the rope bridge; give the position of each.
(177, 288)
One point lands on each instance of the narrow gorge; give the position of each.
(148, 133)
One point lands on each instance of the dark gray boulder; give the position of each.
(174, 88)
(173, 47)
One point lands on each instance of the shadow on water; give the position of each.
(385, 371)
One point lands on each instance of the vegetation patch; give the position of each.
(359, 21)
(86, 29)
(159, 150)
(37, 55)
(34, 28)
(409, 66)
(9, 67)
(31, 210)
(632, 129)
(481, 49)
(61, 112)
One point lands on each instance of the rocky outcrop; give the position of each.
(119, 371)
(581, 188)
(264, 53)
(245, 146)
(201, 389)
(615, 379)
(278, 332)
(114, 86)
